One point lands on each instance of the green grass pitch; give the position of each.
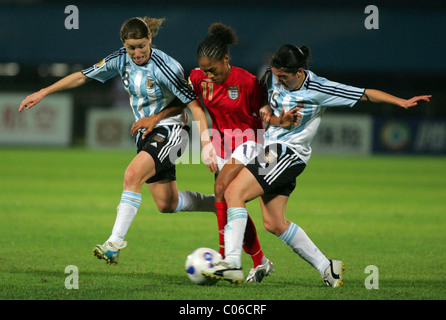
(56, 205)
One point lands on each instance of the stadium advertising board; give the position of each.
(344, 134)
(47, 124)
(109, 129)
(409, 135)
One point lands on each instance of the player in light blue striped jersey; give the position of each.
(158, 94)
(315, 96)
(286, 152)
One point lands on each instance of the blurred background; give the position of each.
(404, 56)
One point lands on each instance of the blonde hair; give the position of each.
(138, 28)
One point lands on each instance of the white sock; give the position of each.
(297, 239)
(234, 234)
(126, 212)
(194, 201)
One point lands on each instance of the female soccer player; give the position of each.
(286, 152)
(153, 81)
(232, 97)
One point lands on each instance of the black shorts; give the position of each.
(165, 144)
(276, 169)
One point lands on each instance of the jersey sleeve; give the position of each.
(194, 85)
(267, 81)
(172, 74)
(194, 82)
(265, 76)
(107, 68)
(334, 94)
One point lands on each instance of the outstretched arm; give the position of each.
(71, 81)
(377, 96)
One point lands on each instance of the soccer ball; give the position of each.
(198, 260)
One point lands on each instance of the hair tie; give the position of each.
(142, 20)
(300, 50)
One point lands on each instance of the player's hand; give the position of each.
(265, 113)
(414, 101)
(31, 100)
(289, 118)
(147, 123)
(210, 157)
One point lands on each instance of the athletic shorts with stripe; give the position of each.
(165, 144)
(276, 169)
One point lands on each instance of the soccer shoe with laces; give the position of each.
(333, 274)
(258, 273)
(223, 270)
(109, 251)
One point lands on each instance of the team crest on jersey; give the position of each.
(270, 156)
(159, 137)
(150, 82)
(233, 93)
(100, 64)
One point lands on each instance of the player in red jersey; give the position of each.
(233, 98)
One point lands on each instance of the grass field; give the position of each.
(56, 205)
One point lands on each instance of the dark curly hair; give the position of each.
(216, 45)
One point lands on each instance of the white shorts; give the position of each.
(244, 153)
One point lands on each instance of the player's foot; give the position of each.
(333, 274)
(223, 270)
(258, 273)
(109, 251)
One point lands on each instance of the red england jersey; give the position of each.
(233, 107)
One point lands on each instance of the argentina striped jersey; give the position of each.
(313, 97)
(151, 87)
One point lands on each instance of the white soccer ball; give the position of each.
(199, 259)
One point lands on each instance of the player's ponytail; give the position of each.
(138, 28)
(306, 56)
(216, 45)
(290, 58)
(154, 24)
(224, 33)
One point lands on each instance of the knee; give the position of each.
(219, 190)
(230, 193)
(131, 178)
(239, 193)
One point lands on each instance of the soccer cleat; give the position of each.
(258, 273)
(109, 251)
(223, 270)
(333, 274)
